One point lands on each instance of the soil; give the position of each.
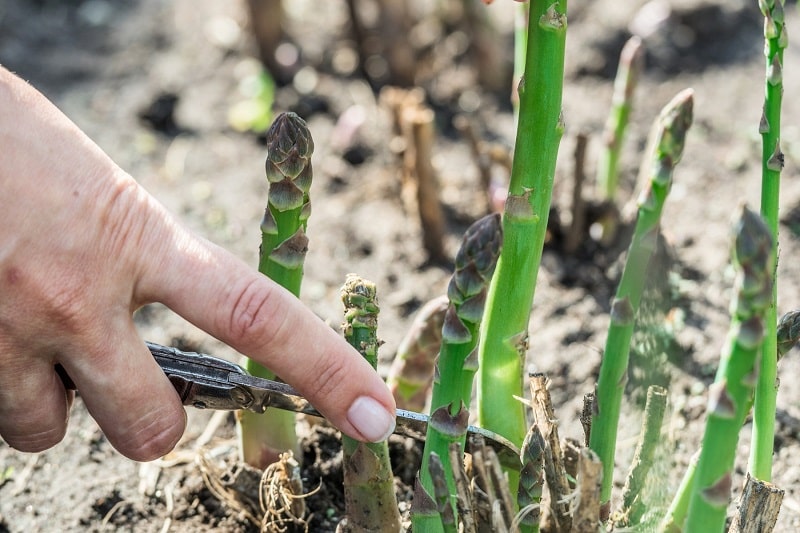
(151, 81)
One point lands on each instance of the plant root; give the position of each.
(281, 496)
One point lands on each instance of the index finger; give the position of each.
(220, 294)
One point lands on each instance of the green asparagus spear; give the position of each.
(729, 398)
(670, 133)
(788, 332)
(504, 333)
(630, 65)
(283, 249)
(676, 514)
(457, 364)
(369, 496)
(531, 480)
(776, 40)
(411, 373)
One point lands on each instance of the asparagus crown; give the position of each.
(788, 331)
(531, 479)
(673, 123)
(289, 149)
(752, 253)
(359, 297)
(475, 264)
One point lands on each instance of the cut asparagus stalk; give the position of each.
(776, 40)
(457, 364)
(283, 248)
(369, 496)
(504, 333)
(586, 517)
(729, 398)
(632, 506)
(670, 133)
(758, 507)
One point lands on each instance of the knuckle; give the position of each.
(36, 440)
(67, 306)
(255, 316)
(328, 375)
(152, 435)
(123, 217)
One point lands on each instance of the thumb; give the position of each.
(223, 296)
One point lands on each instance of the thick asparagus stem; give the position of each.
(730, 396)
(776, 40)
(452, 385)
(283, 248)
(521, 18)
(411, 373)
(369, 496)
(671, 128)
(630, 65)
(504, 333)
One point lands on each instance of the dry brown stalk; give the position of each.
(758, 507)
(556, 517)
(577, 229)
(464, 497)
(266, 17)
(413, 122)
(502, 491)
(479, 156)
(586, 416)
(431, 215)
(498, 518)
(572, 455)
(486, 156)
(586, 517)
(385, 52)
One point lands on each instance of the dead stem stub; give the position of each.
(281, 497)
(272, 500)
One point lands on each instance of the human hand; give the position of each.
(82, 246)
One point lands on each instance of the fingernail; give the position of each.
(371, 419)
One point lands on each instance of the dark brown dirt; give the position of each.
(151, 81)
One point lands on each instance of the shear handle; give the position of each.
(200, 380)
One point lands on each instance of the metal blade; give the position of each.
(266, 393)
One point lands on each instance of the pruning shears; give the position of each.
(207, 382)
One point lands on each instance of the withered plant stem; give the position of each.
(559, 516)
(758, 508)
